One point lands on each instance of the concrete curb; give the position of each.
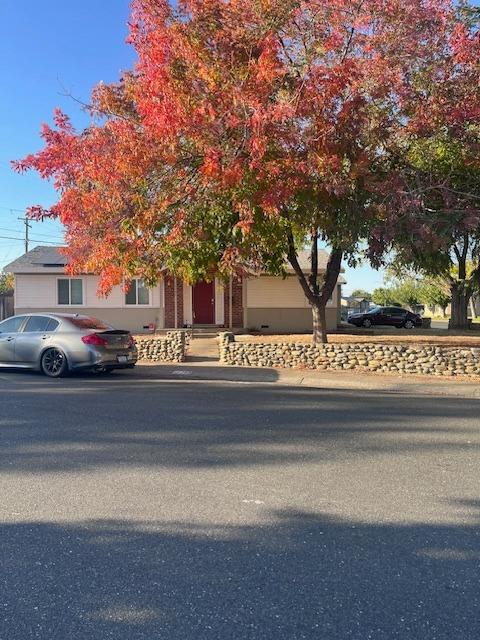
(409, 385)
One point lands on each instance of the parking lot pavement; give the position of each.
(135, 508)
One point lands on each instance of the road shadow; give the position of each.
(204, 368)
(297, 575)
(84, 423)
(192, 369)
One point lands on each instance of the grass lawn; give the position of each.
(399, 336)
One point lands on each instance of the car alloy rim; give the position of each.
(53, 361)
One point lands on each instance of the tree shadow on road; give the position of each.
(297, 575)
(187, 425)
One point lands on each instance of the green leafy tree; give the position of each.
(383, 296)
(434, 292)
(432, 194)
(361, 293)
(407, 292)
(449, 212)
(7, 282)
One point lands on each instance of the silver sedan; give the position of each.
(58, 343)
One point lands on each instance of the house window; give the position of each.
(70, 291)
(138, 293)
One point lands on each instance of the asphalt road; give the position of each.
(141, 509)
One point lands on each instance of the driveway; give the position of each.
(135, 508)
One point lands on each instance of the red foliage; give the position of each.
(289, 97)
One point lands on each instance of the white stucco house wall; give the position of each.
(263, 303)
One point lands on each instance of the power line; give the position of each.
(12, 209)
(43, 235)
(28, 227)
(32, 239)
(42, 241)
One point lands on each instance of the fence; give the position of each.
(6, 305)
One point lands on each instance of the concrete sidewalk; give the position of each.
(411, 385)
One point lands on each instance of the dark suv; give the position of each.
(387, 316)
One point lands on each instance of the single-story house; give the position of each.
(264, 303)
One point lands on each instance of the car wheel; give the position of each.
(409, 324)
(54, 363)
(367, 323)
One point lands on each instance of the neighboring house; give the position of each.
(264, 303)
(353, 304)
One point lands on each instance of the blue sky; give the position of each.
(49, 48)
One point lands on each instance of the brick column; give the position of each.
(237, 302)
(170, 291)
(226, 305)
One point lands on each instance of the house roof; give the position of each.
(354, 299)
(304, 260)
(41, 259)
(44, 259)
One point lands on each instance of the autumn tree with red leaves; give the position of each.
(248, 130)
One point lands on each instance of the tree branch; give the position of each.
(292, 257)
(466, 246)
(332, 272)
(457, 253)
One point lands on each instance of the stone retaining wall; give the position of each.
(420, 360)
(169, 348)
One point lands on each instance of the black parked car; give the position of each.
(389, 316)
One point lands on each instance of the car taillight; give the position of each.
(94, 339)
(131, 342)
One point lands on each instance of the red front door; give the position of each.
(204, 303)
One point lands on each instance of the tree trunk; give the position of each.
(319, 323)
(318, 296)
(460, 300)
(473, 310)
(332, 273)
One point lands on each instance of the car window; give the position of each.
(89, 323)
(36, 323)
(52, 324)
(397, 311)
(11, 325)
(375, 310)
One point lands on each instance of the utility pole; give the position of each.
(28, 226)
